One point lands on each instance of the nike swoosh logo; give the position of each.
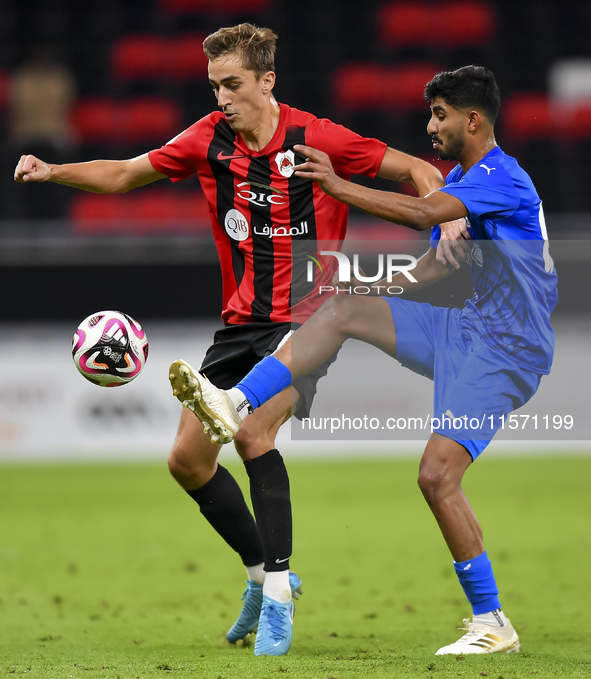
(223, 156)
(281, 560)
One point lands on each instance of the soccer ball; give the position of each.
(110, 348)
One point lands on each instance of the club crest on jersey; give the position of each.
(476, 255)
(285, 162)
(236, 225)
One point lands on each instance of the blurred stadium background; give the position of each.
(113, 79)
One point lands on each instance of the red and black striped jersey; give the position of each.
(258, 206)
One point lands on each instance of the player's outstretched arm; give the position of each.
(97, 176)
(429, 269)
(417, 213)
(400, 167)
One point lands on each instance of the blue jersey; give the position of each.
(512, 272)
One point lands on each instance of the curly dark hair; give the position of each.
(469, 87)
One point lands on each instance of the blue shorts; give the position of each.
(476, 386)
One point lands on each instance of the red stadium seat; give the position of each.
(92, 206)
(466, 23)
(137, 57)
(436, 24)
(185, 58)
(148, 210)
(573, 122)
(151, 118)
(4, 87)
(358, 87)
(206, 6)
(96, 119)
(152, 57)
(527, 116)
(406, 85)
(146, 119)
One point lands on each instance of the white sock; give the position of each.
(277, 586)
(495, 618)
(240, 402)
(256, 573)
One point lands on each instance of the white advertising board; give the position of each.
(48, 411)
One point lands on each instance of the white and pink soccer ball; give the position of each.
(110, 348)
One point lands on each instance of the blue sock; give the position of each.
(268, 378)
(478, 581)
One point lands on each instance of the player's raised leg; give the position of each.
(440, 477)
(340, 318)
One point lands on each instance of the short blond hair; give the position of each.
(254, 45)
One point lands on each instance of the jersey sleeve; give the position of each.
(486, 192)
(179, 158)
(349, 152)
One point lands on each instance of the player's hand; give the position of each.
(452, 243)
(31, 169)
(317, 167)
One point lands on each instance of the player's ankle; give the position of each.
(277, 586)
(240, 402)
(256, 573)
(494, 618)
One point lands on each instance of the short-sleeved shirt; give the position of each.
(258, 206)
(515, 284)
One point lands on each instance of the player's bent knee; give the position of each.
(187, 470)
(337, 311)
(251, 442)
(435, 484)
(177, 467)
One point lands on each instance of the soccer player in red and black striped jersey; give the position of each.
(244, 157)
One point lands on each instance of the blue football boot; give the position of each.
(275, 628)
(248, 619)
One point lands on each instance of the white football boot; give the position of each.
(211, 405)
(483, 639)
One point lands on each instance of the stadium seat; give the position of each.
(92, 206)
(573, 123)
(436, 24)
(527, 116)
(151, 118)
(534, 116)
(186, 60)
(207, 7)
(358, 87)
(153, 57)
(135, 57)
(145, 119)
(144, 211)
(4, 87)
(96, 119)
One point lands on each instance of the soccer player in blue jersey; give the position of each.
(485, 360)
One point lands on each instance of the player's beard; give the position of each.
(453, 147)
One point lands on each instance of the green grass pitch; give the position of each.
(110, 571)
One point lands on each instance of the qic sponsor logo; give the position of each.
(236, 225)
(276, 197)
